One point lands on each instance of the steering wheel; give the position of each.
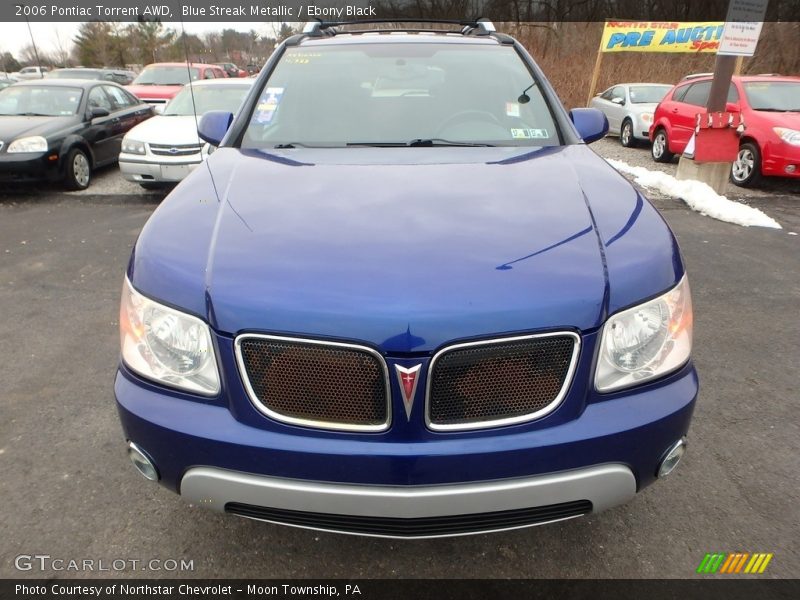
(468, 115)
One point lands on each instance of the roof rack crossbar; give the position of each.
(481, 26)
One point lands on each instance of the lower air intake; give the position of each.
(417, 527)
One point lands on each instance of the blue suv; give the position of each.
(404, 298)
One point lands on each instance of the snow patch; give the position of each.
(698, 196)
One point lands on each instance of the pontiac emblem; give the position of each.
(408, 385)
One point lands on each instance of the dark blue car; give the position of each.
(405, 299)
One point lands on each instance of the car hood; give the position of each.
(777, 119)
(13, 127)
(175, 130)
(403, 256)
(162, 92)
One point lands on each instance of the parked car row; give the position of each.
(666, 116)
(65, 125)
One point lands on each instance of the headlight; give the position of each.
(646, 341)
(790, 136)
(132, 146)
(646, 117)
(166, 345)
(35, 143)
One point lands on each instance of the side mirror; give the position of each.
(618, 100)
(590, 123)
(214, 125)
(732, 107)
(98, 111)
(159, 108)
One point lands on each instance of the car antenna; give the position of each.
(523, 97)
(194, 106)
(35, 49)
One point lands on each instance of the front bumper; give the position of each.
(161, 169)
(418, 511)
(781, 160)
(27, 167)
(299, 476)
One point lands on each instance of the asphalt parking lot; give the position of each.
(68, 490)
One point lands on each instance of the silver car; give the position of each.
(629, 108)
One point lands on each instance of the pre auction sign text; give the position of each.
(658, 36)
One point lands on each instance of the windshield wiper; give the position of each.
(442, 142)
(419, 143)
(32, 114)
(290, 145)
(778, 109)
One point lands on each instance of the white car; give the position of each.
(164, 149)
(629, 108)
(30, 73)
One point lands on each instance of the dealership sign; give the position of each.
(742, 27)
(661, 36)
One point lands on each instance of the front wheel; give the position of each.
(79, 170)
(746, 169)
(626, 134)
(660, 148)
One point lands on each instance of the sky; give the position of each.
(14, 36)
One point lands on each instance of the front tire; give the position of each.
(746, 169)
(660, 148)
(78, 174)
(626, 134)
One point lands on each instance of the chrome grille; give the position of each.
(175, 150)
(314, 383)
(499, 382)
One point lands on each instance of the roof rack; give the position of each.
(468, 27)
(696, 76)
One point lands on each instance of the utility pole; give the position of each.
(739, 38)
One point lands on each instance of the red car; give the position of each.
(770, 105)
(159, 82)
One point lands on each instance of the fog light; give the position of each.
(142, 462)
(790, 168)
(672, 458)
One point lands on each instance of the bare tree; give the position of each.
(62, 49)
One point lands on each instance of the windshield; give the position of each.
(40, 100)
(73, 74)
(648, 94)
(207, 97)
(778, 96)
(398, 94)
(177, 75)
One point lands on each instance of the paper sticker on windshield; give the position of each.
(529, 134)
(268, 104)
(512, 109)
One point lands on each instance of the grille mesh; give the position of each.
(174, 150)
(498, 381)
(315, 382)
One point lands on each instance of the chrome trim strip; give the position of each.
(509, 420)
(261, 407)
(411, 537)
(604, 486)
